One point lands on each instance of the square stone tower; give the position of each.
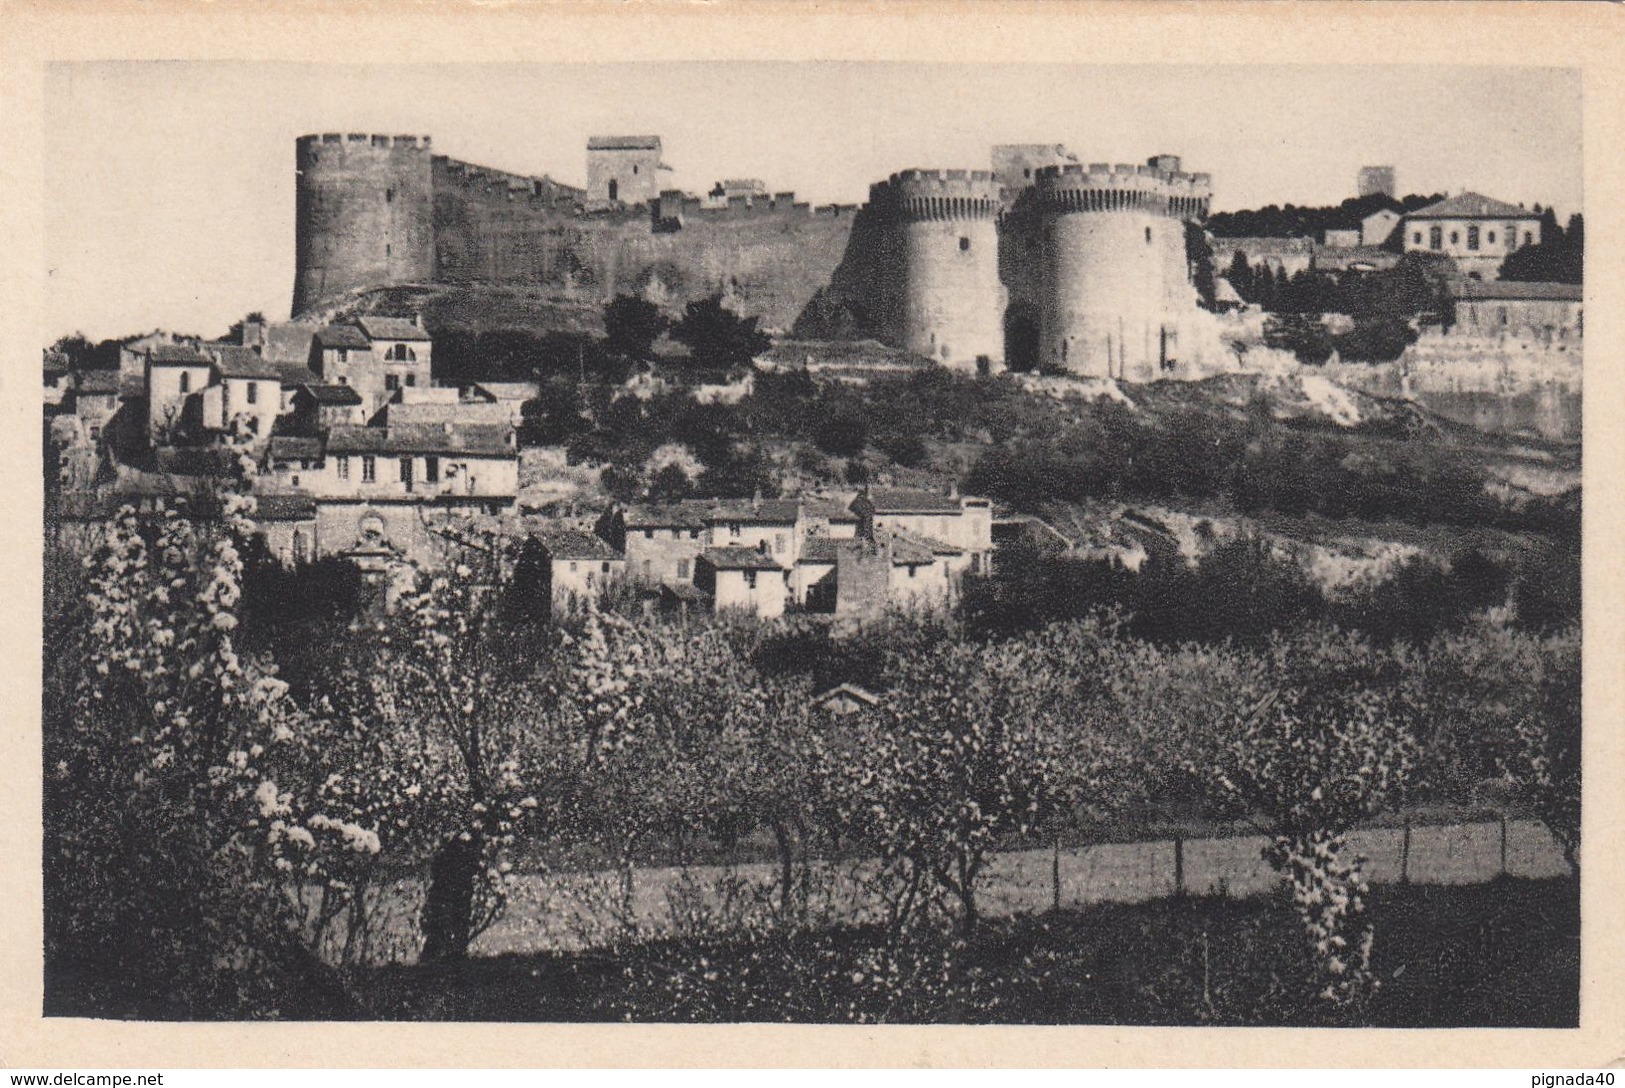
(624, 170)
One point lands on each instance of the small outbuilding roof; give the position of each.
(234, 361)
(623, 143)
(392, 328)
(898, 500)
(330, 396)
(177, 355)
(739, 559)
(575, 544)
(96, 383)
(342, 336)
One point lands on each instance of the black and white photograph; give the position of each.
(963, 541)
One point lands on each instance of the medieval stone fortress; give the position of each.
(1074, 266)
(1061, 271)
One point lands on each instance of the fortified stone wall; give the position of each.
(363, 214)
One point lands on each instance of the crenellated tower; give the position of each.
(1095, 262)
(938, 293)
(364, 214)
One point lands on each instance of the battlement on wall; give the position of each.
(1122, 187)
(915, 195)
(359, 141)
(678, 208)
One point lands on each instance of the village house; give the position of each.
(243, 387)
(95, 399)
(959, 522)
(173, 374)
(743, 579)
(375, 356)
(1506, 308)
(579, 566)
(661, 541)
(315, 407)
(511, 395)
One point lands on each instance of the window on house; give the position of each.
(1528, 237)
(682, 568)
(253, 392)
(693, 534)
(400, 353)
(369, 469)
(343, 355)
(778, 543)
(411, 379)
(186, 382)
(1455, 237)
(605, 566)
(344, 468)
(406, 472)
(634, 168)
(573, 567)
(1027, 172)
(733, 529)
(911, 571)
(343, 380)
(648, 534)
(389, 196)
(1490, 238)
(1147, 235)
(387, 249)
(964, 245)
(1503, 315)
(750, 579)
(295, 480)
(1472, 237)
(614, 189)
(431, 470)
(1435, 237)
(1416, 237)
(392, 381)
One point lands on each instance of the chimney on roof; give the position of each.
(417, 318)
(756, 500)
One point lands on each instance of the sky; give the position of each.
(169, 186)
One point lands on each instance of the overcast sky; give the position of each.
(169, 186)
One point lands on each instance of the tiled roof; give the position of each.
(623, 143)
(478, 439)
(909, 551)
(392, 328)
(819, 549)
(457, 412)
(342, 336)
(897, 500)
(331, 396)
(177, 355)
(763, 512)
(508, 390)
(829, 509)
(93, 382)
(289, 447)
(284, 508)
(288, 343)
(1472, 206)
(575, 544)
(932, 544)
(688, 514)
(296, 374)
(234, 361)
(132, 386)
(1513, 290)
(55, 362)
(739, 559)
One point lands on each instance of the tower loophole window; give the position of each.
(1147, 235)
(389, 196)
(964, 245)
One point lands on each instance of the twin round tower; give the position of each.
(1042, 262)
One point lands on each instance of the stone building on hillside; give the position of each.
(1477, 231)
(624, 170)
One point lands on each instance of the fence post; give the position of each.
(1055, 874)
(1503, 844)
(1179, 866)
(1405, 854)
